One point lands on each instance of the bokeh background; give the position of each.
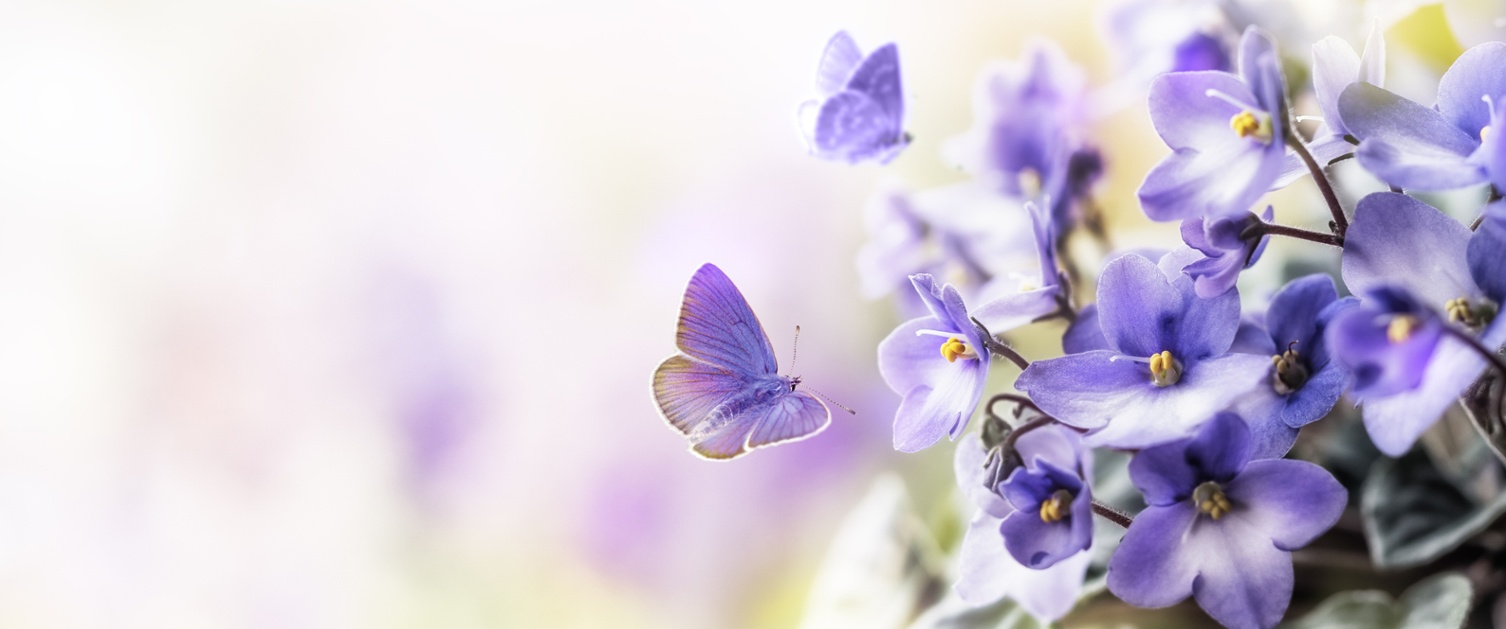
(343, 314)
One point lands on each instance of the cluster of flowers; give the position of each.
(1208, 396)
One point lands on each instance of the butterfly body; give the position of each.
(861, 110)
(723, 390)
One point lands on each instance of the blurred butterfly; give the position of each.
(860, 114)
(723, 390)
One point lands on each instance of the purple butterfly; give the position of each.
(861, 112)
(723, 390)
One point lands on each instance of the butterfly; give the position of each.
(861, 111)
(723, 390)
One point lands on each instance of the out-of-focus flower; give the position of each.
(1053, 517)
(1418, 271)
(987, 570)
(938, 363)
(1168, 370)
(1228, 134)
(1228, 247)
(1221, 527)
(860, 115)
(1451, 145)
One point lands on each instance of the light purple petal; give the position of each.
(1291, 502)
(1396, 421)
(1008, 312)
(1152, 567)
(987, 573)
(1057, 445)
(1325, 149)
(1142, 313)
(1406, 144)
(929, 412)
(1244, 581)
(1183, 113)
(1475, 73)
(1396, 240)
(1223, 177)
(907, 360)
(1335, 66)
(1176, 411)
(1085, 390)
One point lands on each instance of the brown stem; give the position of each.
(1340, 223)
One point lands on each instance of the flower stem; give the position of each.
(1296, 232)
(1340, 223)
(1113, 515)
(996, 347)
(1010, 397)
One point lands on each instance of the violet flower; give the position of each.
(1447, 146)
(1335, 67)
(988, 570)
(1302, 383)
(1227, 249)
(1168, 369)
(1418, 271)
(1228, 134)
(1220, 527)
(938, 363)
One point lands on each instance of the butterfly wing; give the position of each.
(852, 127)
(878, 79)
(837, 63)
(717, 327)
(687, 390)
(795, 415)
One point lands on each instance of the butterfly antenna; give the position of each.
(833, 402)
(795, 349)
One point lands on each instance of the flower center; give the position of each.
(1485, 134)
(1057, 507)
(1210, 499)
(1471, 315)
(1290, 372)
(955, 348)
(1401, 328)
(1164, 370)
(1248, 123)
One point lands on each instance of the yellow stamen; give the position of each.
(1247, 123)
(1030, 182)
(1210, 499)
(955, 348)
(1057, 507)
(1471, 315)
(1401, 328)
(1164, 369)
(1485, 134)
(1290, 372)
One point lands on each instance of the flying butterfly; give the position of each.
(723, 390)
(860, 114)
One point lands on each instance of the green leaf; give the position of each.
(1440, 602)
(1413, 514)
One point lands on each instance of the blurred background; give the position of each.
(343, 314)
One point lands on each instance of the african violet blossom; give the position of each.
(1303, 383)
(938, 363)
(1228, 134)
(988, 566)
(1417, 270)
(1229, 245)
(1220, 527)
(1167, 370)
(1447, 146)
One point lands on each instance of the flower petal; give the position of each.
(1292, 316)
(1475, 73)
(942, 408)
(1185, 115)
(1143, 313)
(1335, 66)
(1159, 415)
(969, 465)
(1396, 240)
(1152, 567)
(1291, 502)
(1487, 265)
(907, 360)
(1084, 334)
(1396, 421)
(1244, 581)
(1406, 144)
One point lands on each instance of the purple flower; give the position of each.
(1150, 37)
(1220, 527)
(988, 570)
(1447, 146)
(1167, 369)
(938, 363)
(1418, 271)
(1025, 113)
(1228, 134)
(1228, 249)
(1303, 382)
